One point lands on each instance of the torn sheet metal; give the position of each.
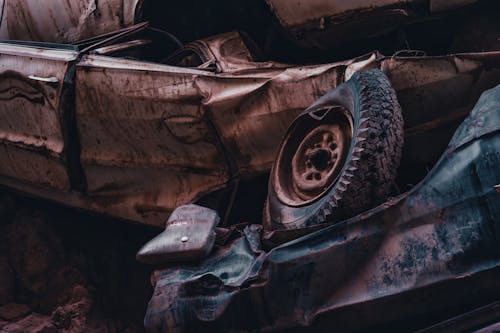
(438, 241)
(253, 109)
(146, 145)
(65, 21)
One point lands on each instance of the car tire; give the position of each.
(339, 157)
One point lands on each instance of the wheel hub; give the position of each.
(314, 165)
(316, 159)
(319, 159)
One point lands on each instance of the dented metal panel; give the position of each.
(66, 21)
(252, 111)
(439, 241)
(151, 135)
(31, 130)
(146, 143)
(295, 13)
(435, 91)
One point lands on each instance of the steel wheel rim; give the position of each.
(309, 165)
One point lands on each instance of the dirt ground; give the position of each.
(63, 270)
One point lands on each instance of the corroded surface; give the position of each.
(388, 265)
(148, 137)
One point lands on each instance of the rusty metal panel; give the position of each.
(34, 166)
(253, 109)
(429, 87)
(66, 21)
(433, 91)
(146, 144)
(31, 133)
(297, 13)
(435, 246)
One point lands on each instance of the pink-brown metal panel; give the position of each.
(146, 144)
(253, 109)
(31, 137)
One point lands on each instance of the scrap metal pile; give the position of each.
(380, 172)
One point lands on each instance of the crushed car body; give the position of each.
(437, 241)
(134, 139)
(381, 170)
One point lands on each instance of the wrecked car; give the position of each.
(133, 125)
(363, 193)
(429, 253)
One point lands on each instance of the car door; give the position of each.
(147, 145)
(33, 141)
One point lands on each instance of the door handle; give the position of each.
(50, 80)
